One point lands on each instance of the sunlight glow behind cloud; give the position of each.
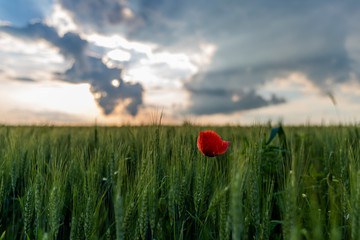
(115, 41)
(115, 83)
(54, 96)
(61, 20)
(118, 55)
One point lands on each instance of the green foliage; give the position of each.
(151, 182)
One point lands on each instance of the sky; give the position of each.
(205, 62)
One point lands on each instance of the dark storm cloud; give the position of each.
(256, 41)
(211, 101)
(85, 69)
(70, 45)
(102, 15)
(100, 77)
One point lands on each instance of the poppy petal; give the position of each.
(211, 144)
(224, 147)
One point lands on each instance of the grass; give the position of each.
(151, 182)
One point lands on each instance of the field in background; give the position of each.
(152, 182)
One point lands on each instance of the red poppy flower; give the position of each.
(211, 144)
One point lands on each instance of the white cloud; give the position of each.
(37, 60)
(118, 55)
(175, 60)
(118, 41)
(61, 20)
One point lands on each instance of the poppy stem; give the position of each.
(204, 184)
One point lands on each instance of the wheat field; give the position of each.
(151, 182)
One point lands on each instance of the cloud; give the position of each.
(85, 68)
(273, 43)
(211, 101)
(256, 41)
(70, 45)
(99, 15)
(100, 77)
(23, 79)
(25, 116)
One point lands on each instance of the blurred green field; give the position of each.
(151, 182)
